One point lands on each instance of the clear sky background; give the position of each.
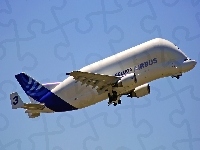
(46, 39)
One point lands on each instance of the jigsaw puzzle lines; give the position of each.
(61, 51)
(182, 111)
(17, 41)
(7, 145)
(5, 124)
(7, 11)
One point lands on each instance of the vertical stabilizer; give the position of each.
(31, 87)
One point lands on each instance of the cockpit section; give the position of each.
(176, 46)
(187, 65)
(187, 59)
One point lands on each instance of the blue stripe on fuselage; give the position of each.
(55, 103)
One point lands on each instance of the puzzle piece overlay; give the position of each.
(55, 37)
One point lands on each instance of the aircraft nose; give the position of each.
(189, 65)
(194, 63)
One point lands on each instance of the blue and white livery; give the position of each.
(126, 73)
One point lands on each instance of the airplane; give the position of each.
(126, 73)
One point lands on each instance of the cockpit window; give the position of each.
(187, 59)
(176, 46)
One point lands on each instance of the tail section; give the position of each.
(42, 94)
(16, 101)
(31, 87)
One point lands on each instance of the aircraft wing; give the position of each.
(99, 81)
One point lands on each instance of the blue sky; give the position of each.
(46, 39)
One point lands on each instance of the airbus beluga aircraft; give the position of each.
(126, 73)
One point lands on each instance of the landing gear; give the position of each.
(114, 98)
(115, 103)
(177, 76)
(119, 101)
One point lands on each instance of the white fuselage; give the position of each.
(151, 60)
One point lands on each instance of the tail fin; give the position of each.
(49, 86)
(16, 101)
(31, 87)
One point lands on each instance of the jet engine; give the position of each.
(140, 91)
(127, 79)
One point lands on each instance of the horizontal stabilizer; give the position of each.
(33, 115)
(31, 106)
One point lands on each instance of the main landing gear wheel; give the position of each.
(119, 101)
(115, 103)
(114, 98)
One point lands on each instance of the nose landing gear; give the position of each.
(177, 76)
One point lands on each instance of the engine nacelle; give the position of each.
(127, 79)
(141, 91)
